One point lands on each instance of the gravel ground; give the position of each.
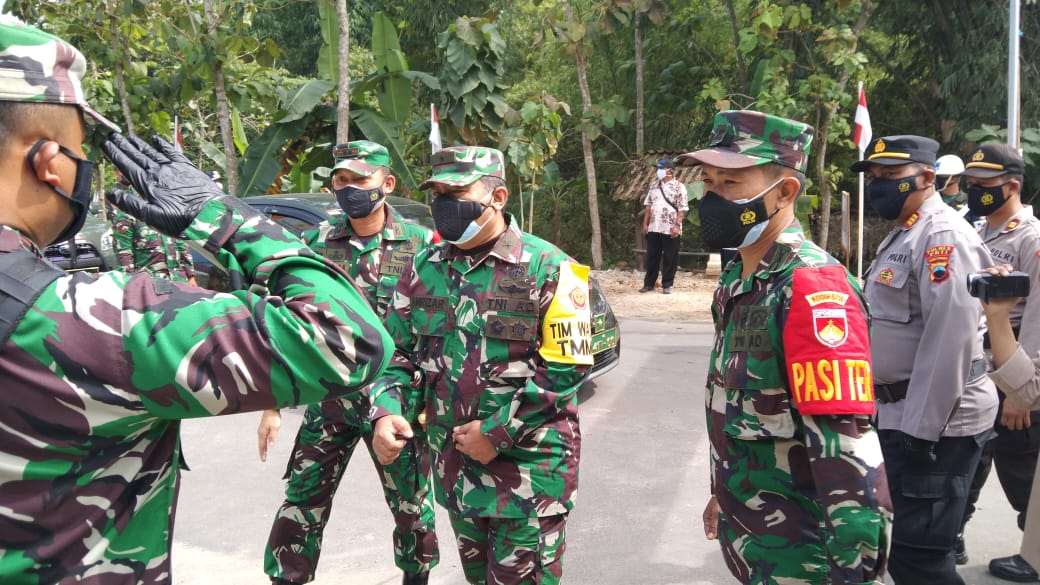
(690, 299)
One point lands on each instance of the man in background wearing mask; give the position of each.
(936, 406)
(496, 322)
(666, 207)
(372, 243)
(948, 171)
(798, 482)
(1012, 234)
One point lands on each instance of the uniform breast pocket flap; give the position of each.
(510, 343)
(890, 294)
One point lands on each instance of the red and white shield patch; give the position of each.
(831, 326)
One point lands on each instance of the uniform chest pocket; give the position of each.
(890, 293)
(758, 404)
(509, 345)
(431, 316)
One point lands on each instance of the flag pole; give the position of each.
(859, 203)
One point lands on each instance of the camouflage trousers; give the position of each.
(511, 551)
(326, 440)
(772, 528)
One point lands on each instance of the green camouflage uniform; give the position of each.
(471, 326)
(331, 430)
(139, 248)
(803, 498)
(99, 371)
(92, 491)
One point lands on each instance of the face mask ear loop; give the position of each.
(32, 153)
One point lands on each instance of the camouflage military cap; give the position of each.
(462, 165)
(898, 150)
(743, 138)
(361, 156)
(41, 68)
(992, 160)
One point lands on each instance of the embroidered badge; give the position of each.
(578, 298)
(830, 326)
(885, 276)
(938, 258)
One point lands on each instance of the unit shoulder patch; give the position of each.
(829, 370)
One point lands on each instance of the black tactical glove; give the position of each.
(918, 450)
(172, 189)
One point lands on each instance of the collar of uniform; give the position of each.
(778, 255)
(509, 247)
(12, 239)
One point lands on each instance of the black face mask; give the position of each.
(887, 196)
(732, 224)
(81, 195)
(455, 219)
(357, 202)
(983, 201)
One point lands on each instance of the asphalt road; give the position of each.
(643, 485)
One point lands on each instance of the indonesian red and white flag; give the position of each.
(862, 134)
(435, 129)
(177, 142)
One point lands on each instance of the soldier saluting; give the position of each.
(98, 372)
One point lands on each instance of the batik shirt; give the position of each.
(99, 372)
(470, 328)
(139, 248)
(750, 397)
(665, 200)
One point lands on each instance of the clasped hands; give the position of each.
(392, 432)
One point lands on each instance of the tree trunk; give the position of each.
(557, 228)
(120, 53)
(586, 147)
(823, 131)
(639, 83)
(343, 92)
(223, 112)
(825, 186)
(736, 43)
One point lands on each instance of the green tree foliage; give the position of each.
(936, 68)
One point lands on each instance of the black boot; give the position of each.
(280, 581)
(1013, 568)
(960, 553)
(416, 578)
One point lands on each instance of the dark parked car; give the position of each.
(89, 252)
(301, 211)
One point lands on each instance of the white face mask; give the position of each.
(661, 174)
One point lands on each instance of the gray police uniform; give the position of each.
(1014, 452)
(930, 382)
